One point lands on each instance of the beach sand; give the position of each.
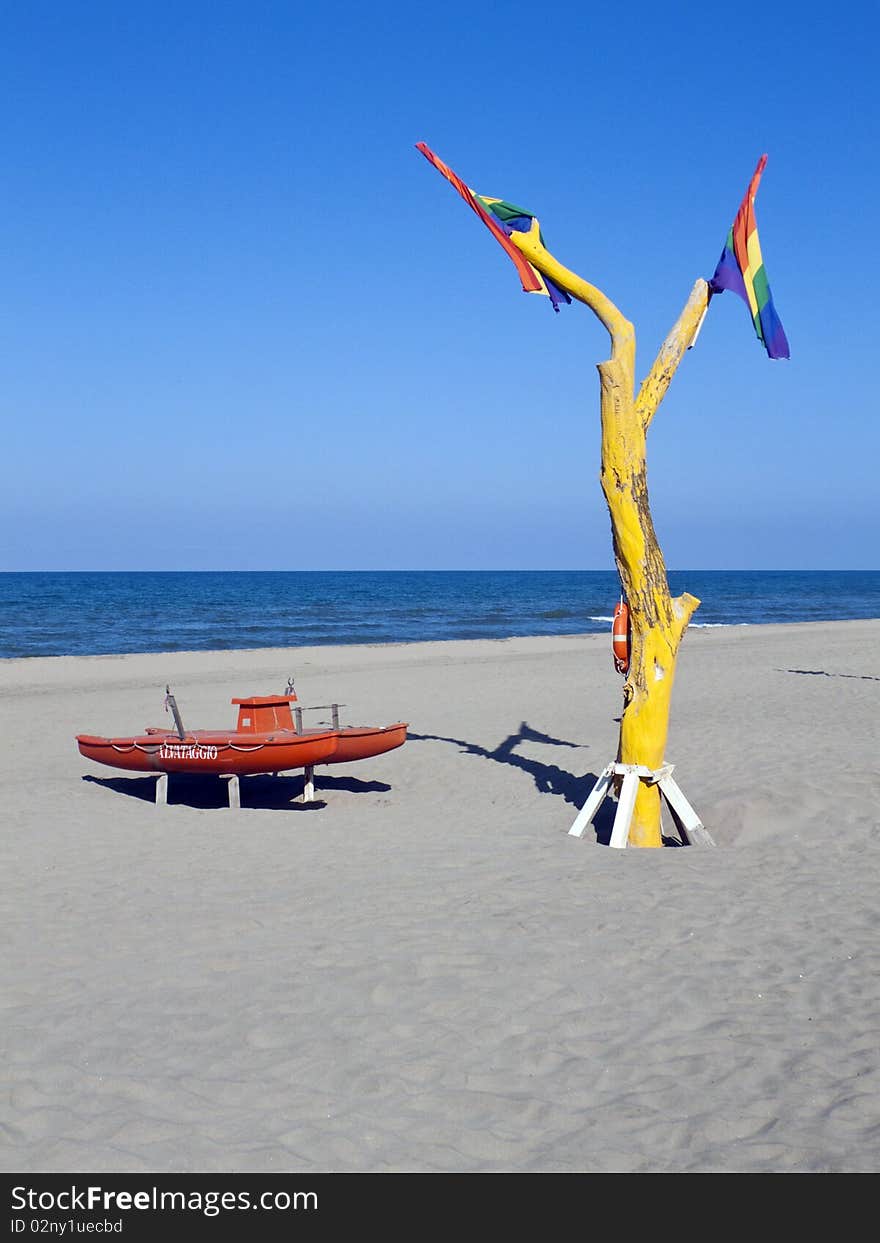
(423, 971)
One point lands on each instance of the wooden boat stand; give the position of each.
(690, 828)
(234, 787)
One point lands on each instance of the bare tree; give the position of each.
(658, 619)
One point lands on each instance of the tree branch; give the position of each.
(683, 609)
(621, 331)
(671, 352)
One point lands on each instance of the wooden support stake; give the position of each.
(309, 787)
(162, 790)
(625, 805)
(593, 803)
(691, 826)
(234, 791)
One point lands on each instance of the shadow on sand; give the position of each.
(548, 778)
(822, 673)
(260, 791)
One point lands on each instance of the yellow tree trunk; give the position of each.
(658, 620)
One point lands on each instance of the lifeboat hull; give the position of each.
(361, 742)
(220, 752)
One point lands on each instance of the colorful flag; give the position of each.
(741, 269)
(502, 219)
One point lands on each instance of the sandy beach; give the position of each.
(422, 971)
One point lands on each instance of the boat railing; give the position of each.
(299, 709)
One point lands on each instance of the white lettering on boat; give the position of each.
(187, 751)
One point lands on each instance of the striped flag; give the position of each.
(502, 219)
(741, 269)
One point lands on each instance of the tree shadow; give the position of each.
(260, 790)
(822, 673)
(548, 778)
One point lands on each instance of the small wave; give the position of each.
(556, 614)
(600, 619)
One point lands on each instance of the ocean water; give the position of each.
(55, 614)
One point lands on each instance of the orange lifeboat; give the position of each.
(265, 740)
(620, 637)
(205, 751)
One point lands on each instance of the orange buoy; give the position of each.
(620, 637)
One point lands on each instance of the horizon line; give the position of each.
(471, 570)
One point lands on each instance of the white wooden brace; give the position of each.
(691, 829)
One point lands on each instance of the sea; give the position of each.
(92, 614)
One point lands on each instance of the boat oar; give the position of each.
(171, 702)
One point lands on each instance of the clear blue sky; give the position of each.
(245, 325)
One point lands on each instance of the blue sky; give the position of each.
(245, 325)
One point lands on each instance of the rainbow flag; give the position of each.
(741, 268)
(502, 219)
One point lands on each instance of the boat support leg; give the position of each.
(309, 787)
(162, 790)
(234, 791)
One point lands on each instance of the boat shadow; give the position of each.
(258, 791)
(548, 778)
